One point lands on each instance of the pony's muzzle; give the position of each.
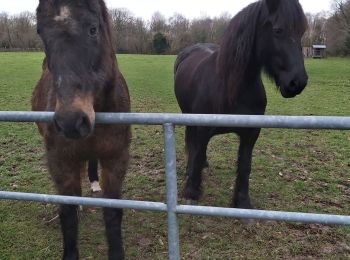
(294, 87)
(73, 125)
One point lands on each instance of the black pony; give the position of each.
(226, 79)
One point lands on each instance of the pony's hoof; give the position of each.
(247, 205)
(191, 193)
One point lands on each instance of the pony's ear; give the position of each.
(272, 5)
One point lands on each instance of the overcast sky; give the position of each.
(189, 8)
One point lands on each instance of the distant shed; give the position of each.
(319, 51)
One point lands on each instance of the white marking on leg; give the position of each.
(210, 51)
(95, 186)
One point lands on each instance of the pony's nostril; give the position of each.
(58, 125)
(294, 85)
(73, 125)
(83, 125)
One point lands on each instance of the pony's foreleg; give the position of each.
(93, 176)
(196, 145)
(66, 176)
(241, 197)
(113, 172)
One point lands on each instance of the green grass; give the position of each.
(294, 170)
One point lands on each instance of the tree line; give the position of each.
(163, 35)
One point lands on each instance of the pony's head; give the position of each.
(80, 57)
(283, 24)
(266, 34)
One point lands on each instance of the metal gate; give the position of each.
(168, 121)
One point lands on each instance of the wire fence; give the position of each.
(171, 207)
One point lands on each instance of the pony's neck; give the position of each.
(252, 72)
(237, 81)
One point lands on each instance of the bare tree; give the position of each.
(341, 10)
(219, 26)
(18, 31)
(338, 28)
(142, 37)
(158, 23)
(316, 32)
(24, 31)
(121, 18)
(130, 34)
(202, 30)
(179, 36)
(5, 31)
(134, 35)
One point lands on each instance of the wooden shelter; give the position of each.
(318, 51)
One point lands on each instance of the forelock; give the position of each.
(292, 15)
(64, 14)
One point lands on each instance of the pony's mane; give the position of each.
(237, 45)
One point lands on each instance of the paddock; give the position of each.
(294, 171)
(171, 207)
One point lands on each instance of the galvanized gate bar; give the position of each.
(181, 209)
(171, 190)
(91, 202)
(264, 215)
(19, 116)
(293, 122)
(296, 122)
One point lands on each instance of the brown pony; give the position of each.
(80, 77)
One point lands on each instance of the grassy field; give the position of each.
(293, 170)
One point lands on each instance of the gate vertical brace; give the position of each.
(171, 188)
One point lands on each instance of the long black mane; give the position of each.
(237, 45)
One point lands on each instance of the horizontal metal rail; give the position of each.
(326, 219)
(181, 209)
(83, 201)
(293, 122)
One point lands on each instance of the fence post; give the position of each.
(171, 188)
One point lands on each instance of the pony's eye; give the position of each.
(93, 31)
(277, 31)
(38, 31)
